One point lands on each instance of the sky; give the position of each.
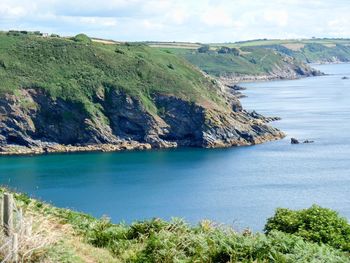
(180, 20)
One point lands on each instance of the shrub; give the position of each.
(227, 50)
(315, 224)
(175, 241)
(82, 38)
(103, 233)
(204, 49)
(146, 228)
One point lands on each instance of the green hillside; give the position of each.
(74, 69)
(225, 61)
(315, 50)
(260, 57)
(310, 235)
(267, 42)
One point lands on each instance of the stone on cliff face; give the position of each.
(236, 87)
(124, 123)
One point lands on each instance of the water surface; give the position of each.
(238, 186)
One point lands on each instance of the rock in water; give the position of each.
(308, 141)
(294, 141)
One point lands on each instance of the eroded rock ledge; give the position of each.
(290, 70)
(31, 122)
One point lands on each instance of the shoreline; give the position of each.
(18, 150)
(261, 78)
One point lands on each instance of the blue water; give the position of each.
(237, 186)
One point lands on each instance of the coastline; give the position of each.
(18, 150)
(230, 80)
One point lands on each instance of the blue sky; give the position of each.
(180, 20)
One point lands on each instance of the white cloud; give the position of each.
(178, 16)
(102, 21)
(205, 20)
(217, 16)
(11, 11)
(278, 17)
(150, 25)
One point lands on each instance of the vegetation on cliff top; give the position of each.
(307, 50)
(86, 239)
(258, 57)
(75, 69)
(246, 61)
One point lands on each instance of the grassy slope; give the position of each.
(252, 61)
(86, 239)
(307, 50)
(76, 70)
(258, 56)
(267, 42)
(315, 52)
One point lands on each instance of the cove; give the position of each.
(236, 186)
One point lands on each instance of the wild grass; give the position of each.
(35, 234)
(75, 69)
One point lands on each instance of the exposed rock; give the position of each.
(288, 70)
(294, 141)
(344, 77)
(45, 125)
(256, 115)
(236, 87)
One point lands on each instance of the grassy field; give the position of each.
(253, 43)
(76, 237)
(268, 42)
(76, 68)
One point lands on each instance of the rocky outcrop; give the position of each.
(289, 69)
(33, 122)
(296, 141)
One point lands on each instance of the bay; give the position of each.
(237, 186)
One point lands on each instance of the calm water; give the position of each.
(237, 186)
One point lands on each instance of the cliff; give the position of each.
(62, 95)
(234, 65)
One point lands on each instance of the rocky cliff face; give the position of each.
(33, 122)
(289, 69)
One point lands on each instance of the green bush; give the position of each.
(204, 49)
(176, 241)
(157, 240)
(82, 38)
(227, 50)
(103, 233)
(315, 224)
